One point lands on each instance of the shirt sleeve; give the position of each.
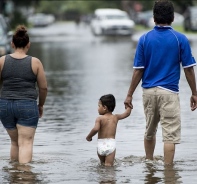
(139, 55)
(186, 56)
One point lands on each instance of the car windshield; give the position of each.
(116, 17)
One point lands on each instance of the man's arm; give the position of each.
(136, 78)
(190, 76)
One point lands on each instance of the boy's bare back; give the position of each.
(108, 123)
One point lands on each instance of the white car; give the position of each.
(111, 22)
(41, 19)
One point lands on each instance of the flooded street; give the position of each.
(80, 68)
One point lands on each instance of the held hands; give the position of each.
(128, 102)
(193, 102)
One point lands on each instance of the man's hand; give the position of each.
(193, 102)
(128, 102)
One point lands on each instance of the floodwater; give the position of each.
(80, 68)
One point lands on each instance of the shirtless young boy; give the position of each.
(106, 125)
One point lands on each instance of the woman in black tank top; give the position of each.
(19, 109)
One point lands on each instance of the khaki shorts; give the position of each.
(162, 106)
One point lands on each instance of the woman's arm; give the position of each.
(41, 82)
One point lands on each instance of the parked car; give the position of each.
(41, 19)
(142, 18)
(5, 36)
(111, 22)
(190, 19)
(178, 20)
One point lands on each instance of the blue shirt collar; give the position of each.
(162, 27)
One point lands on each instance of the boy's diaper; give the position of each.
(106, 146)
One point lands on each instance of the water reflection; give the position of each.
(171, 175)
(19, 174)
(107, 175)
(150, 177)
(101, 174)
(166, 174)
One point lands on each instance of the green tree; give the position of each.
(182, 5)
(17, 17)
(79, 5)
(74, 8)
(23, 3)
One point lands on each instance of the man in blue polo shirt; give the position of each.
(159, 55)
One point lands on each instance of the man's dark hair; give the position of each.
(109, 101)
(163, 12)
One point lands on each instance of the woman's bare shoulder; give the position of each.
(34, 59)
(2, 58)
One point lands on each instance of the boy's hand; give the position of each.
(88, 139)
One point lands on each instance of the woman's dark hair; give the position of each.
(20, 37)
(163, 12)
(109, 101)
